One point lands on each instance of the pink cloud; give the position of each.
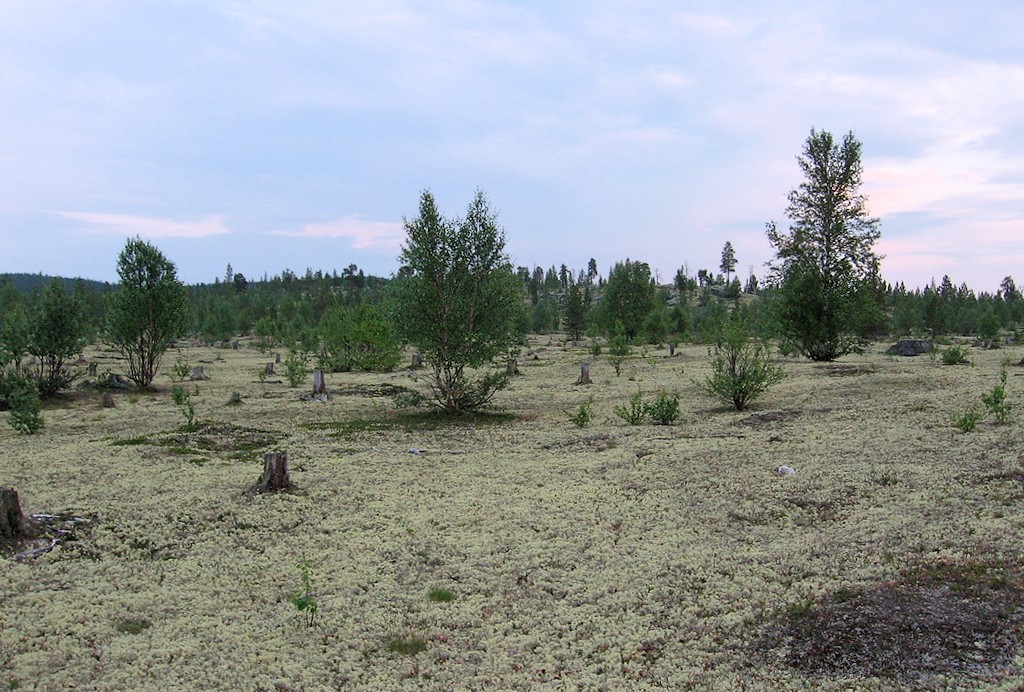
(364, 234)
(145, 227)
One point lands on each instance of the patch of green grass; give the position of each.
(407, 646)
(441, 595)
(131, 625)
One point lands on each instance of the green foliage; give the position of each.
(14, 336)
(742, 369)
(967, 421)
(57, 333)
(407, 646)
(827, 257)
(183, 400)
(441, 595)
(296, 367)
(629, 297)
(583, 415)
(458, 301)
(635, 412)
(955, 355)
(408, 399)
(618, 351)
(303, 598)
(147, 311)
(574, 313)
(664, 410)
(995, 401)
(23, 399)
(359, 338)
(181, 368)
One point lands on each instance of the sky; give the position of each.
(276, 135)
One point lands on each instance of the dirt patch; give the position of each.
(764, 417)
(939, 619)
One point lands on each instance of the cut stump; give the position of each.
(12, 522)
(584, 374)
(275, 473)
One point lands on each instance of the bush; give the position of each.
(955, 355)
(967, 421)
(24, 402)
(583, 415)
(296, 367)
(618, 350)
(995, 401)
(183, 400)
(742, 370)
(664, 410)
(635, 413)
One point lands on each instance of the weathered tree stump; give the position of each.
(584, 374)
(107, 400)
(92, 369)
(319, 384)
(671, 348)
(12, 522)
(512, 367)
(198, 374)
(277, 358)
(417, 361)
(269, 369)
(275, 473)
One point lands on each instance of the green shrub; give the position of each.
(183, 400)
(664, 410)
(583, 415)
(24, 402)
(967, 421)
(995, 401)
(955, 355)
(296, 367)
(742, 369)
(635, 413)
(618, 350)
(303, 598)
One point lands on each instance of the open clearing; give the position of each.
(518, 551)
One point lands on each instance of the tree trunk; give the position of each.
(275, 472)
(671, 348)
(12, 522)
(269, 369)
(512, 367)
(277, 357)
(319, 384)
(198, 374)
(417, 361)
(584, 374)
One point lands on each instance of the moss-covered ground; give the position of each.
(515, 550)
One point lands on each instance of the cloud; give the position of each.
(365, 235)
(127, 224)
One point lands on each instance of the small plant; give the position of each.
(664, 410)
(967, 421)
(441, 595)
(25, 404)
(635, 413)
(583, 415)
(183, 400)
(742, 370)
(296, 367)
(955, 355)
(303, 598)
(595, 348)
(408, 399)
(407, 646)
(181, 369)
(995, 401)
(618, 351)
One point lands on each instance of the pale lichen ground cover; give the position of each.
(611, 557)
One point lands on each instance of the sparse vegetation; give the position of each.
(296, 367)
(741, 369)
(955, 355)
(995, 401)
(583, 415)
(635, 411)
(24, 403)
(303, 598)
(967, 421)
(183, 400)
(664, 410)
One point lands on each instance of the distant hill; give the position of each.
(28, 283)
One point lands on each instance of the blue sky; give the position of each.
(273, 135)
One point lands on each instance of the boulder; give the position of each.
(911, 347)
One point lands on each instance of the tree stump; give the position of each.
(12, 522)
(319, 384)
(512, 367)
(671, 348)
(417, 361)
(584, 374)
(269, 369)
(92, 369)
(107, 400)
(275, 473)
(198, 374)
(277, 358)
